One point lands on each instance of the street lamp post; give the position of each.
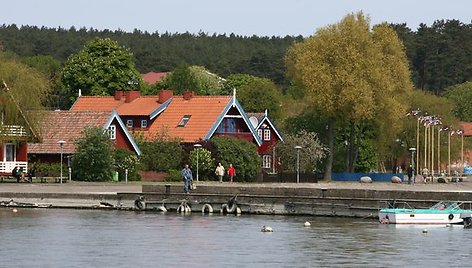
(298, 162)
(197, 147)
(61, 143)
(413, 150)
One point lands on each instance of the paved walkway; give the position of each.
(136, 187)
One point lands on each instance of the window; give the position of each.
(129, 123)
(259, 133)
(267, 134)
(10, 152)
(267, 161)
(184, 120)
(143, 123)
(112, 132)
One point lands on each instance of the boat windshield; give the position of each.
(446, 205)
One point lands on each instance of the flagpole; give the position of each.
(432, 153)
(417, 145)
(439, 150)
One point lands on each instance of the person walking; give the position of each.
(220, 171)
(187, 177)
(231, 172)
(409, 172)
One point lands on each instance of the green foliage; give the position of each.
(47, 169)
(161, 154)
(124, 159)
(206, 163)
(352, 74)
(241, 153)
(93, 158)
(101, 68)
(261, 94)
(461, 96)
(195, 78)
(28, 89)
(173, 175)
(310, 154)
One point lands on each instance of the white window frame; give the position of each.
(267, 161)
(259, 133)
(112, 132)
(184, 120)
(129, 123)
(5, 152)
(267, 134)
(144, 123)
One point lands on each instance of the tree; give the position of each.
(100, 68)
(311, 153)
(93, 158)
(241, 153)
(256, 94)
(353, 74)
(25, 91)
(205, 162)
(461, 96)
(126, 160)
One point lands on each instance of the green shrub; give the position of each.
(173, 175)
(241, 153)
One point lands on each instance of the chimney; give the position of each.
(188, 95)
(164, 95)
(131, 95)
(119, 94)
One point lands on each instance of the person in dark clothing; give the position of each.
(409, 172)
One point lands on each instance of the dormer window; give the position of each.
(144, 123)
(129, 123)
(184, 120)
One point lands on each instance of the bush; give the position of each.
(125, 159)
(93, 158)
(241, 153)
(48, 169)
(161, 155)
(173, 175)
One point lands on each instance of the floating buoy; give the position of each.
(425, 231)
(15, 210)
(266, 229)
(307, 224)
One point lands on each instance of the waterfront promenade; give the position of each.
(136, 187)
(350, 199)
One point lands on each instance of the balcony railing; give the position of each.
(7, 167)
(12, 131)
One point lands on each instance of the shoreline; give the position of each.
(347, 199)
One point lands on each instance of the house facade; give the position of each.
(61, 129)
(188, 117)
(13, 148)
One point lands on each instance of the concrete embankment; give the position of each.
(323, 199)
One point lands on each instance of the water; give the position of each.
(97, 238)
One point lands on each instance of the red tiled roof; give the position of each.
(67, 126)
(153, 77)
(143, 105)
(96, 103)
(204, 111)
(467, 127)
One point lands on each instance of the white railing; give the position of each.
(11, 130)
(7, 167)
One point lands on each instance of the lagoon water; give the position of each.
(98, 238)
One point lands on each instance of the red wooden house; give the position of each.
(68, 126)
(13, 148)
(187, 117)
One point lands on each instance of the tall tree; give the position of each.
(22, 92)
(352, 74)
(461, 97)
(100, 68)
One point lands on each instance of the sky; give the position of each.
(241, 17)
